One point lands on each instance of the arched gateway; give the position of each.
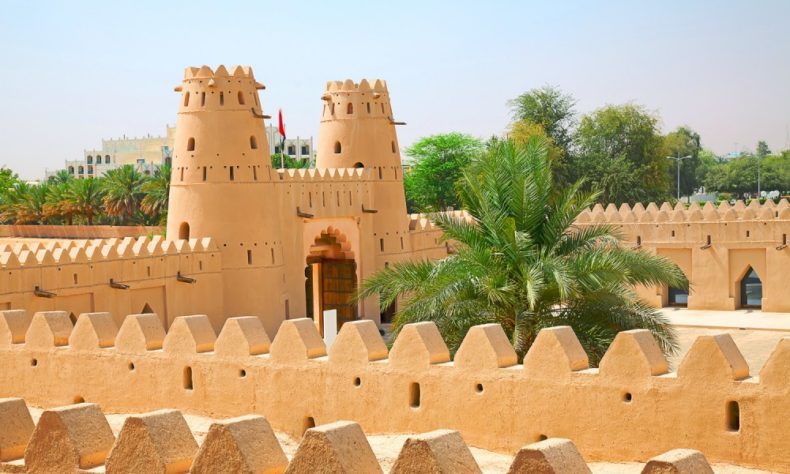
(331, 278)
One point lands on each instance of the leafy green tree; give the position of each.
(157, 193)
(123, 193)
(710, 171)
(775, 173)
(436, 164)
(288, 162)
(7, 179)
(550, 108)
(620, 153)
(87, 198)
(520, 261)
(762, 149)
(684, 142)
(523, 131)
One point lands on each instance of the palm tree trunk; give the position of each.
(521, 334)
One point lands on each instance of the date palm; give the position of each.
(157, 192)
(24, 203)
(520, 261)
(86, 198)
(62, 176)
(59, 203)
(123, 192)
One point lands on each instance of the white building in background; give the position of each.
(150, 152)
(298, 148)
(146, 154)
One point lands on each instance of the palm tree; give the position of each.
(519, 260)
(86, 197)
(122, 192)
(24, 203)
(157, 192)
(59, 203)
(62, 176)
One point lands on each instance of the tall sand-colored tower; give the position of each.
(221, 179)
(358, 131)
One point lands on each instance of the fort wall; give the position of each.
(123, 276)
(714, 246)
(631, 407)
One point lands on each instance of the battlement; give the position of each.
(79, 436)
(327, 174)
(379, 86)
(205, 72)
(712, 399)
(64, 252)
(422, 222)
(680, 213)
(122, 275)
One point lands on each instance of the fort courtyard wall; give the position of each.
(121, 275)
(631, 407)
(714, 246)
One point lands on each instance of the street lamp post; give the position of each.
(758, 177)
(678, 159)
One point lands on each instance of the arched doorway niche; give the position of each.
(751, 289)
(331, 278)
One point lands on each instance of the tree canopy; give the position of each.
(682, 142)
(550, 108)
(620, 153)
(435, 166)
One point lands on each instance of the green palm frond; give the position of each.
(521, 261)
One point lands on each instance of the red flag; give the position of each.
(282, 125)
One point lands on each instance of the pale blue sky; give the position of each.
(77, 71)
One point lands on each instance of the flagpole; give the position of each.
(281, 130)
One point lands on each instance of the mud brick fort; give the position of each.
(223, 319)
(735, 256)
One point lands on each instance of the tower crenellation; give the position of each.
(357, 127)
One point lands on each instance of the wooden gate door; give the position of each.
(339, 283)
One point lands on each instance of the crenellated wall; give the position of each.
(630, 408)
(714, 246)
(76, 276)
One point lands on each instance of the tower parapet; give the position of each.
(357, 127)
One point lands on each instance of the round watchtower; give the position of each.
(221, 178)
(358, 131)
(357, 128)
